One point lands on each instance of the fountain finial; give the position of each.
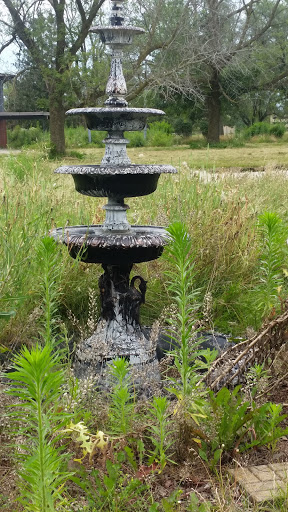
(116, 10)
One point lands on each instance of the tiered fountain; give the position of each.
(116, 244)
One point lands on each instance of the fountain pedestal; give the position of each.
(118, 333)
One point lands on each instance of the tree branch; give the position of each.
(85, 26)
(23, 33)
(241, 45)
(5, 45)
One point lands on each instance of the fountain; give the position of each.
(116, 244)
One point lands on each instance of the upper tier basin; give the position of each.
(92, 244)
(117, 34)
(116, 181)
(119, 119)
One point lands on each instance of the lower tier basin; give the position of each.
(92, 244)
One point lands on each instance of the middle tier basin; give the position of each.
(116, 181)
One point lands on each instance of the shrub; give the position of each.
(278, 130)
(19, 136)
(161, 126)
(78, 137)
(182, 127)
(136, 139)
(159, 139)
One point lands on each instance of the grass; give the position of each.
(222, 217)
(252, 155)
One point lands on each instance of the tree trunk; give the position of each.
(57, 123)
(214, 108)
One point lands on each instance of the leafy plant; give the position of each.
(90, 443)
(121, 399)
(235, 425)
(112, 490)
(38, 379)
(47, 256)
(186, 354)
(278, 130)
(266, 424)
(273, 234)
(159, 432)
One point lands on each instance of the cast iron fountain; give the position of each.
(116, 244)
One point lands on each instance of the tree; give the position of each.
(53, 32)
(193, 45)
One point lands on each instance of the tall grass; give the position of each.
(221, 217)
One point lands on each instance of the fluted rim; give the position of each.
(115, 170)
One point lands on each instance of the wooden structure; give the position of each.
(9, 116)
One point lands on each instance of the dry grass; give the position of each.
(252, 155)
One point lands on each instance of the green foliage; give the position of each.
(47, 256)
(161, 126)
(38, 379)
(236, 425)
(20, 137)
(121, 399)
(180, 282)
(262, 128)
(160, 134)
(273, 253)
(112, 490)
(78, 137)
(278, 130)
(182, 126)
(159, 432)
(136, 139)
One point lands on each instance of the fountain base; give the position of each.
(119, 333)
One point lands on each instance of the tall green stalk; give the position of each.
(181, 278)
(38, 379)
(273, 237)
(48, 261)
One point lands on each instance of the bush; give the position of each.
(161, 126)
(136, 139)
(278, 130)
(78, 137)
(19, 136)
(159, 139)
(183, 127)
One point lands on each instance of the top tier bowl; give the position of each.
(116, 118)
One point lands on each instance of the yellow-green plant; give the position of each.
(38, 379)
(121, 399)
(181, 277)
(273, 235)
(160, 432)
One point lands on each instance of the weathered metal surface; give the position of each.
(117, 186)
(118, 170)
(119, 332)
(117, 34)
(116, 244)
(93, 245)
(116, 219)
(113, 119)
(115, 151)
